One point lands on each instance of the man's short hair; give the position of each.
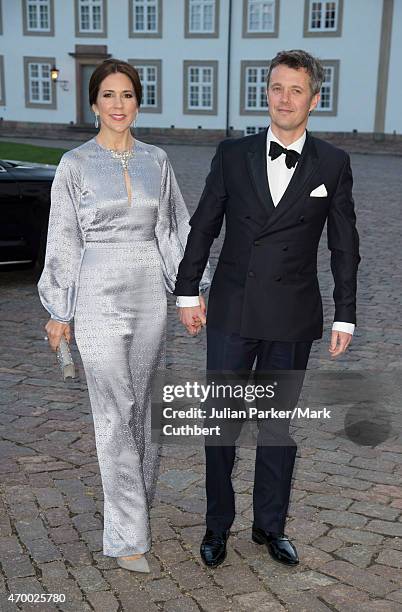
(297, 58)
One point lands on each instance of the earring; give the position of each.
(96, 121)
(135, 121)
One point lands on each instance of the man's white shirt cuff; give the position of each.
(184, 301)
(349, 328)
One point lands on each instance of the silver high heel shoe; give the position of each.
(134, 565)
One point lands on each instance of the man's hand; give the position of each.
(55, 330)
(339, 343)
(193, 317)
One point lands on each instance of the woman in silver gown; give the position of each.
(117, 231)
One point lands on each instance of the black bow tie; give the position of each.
(275, 150)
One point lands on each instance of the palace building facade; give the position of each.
(203, 63)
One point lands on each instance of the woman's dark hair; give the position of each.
(296, 58)
(111, 66)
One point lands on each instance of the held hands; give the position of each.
(339, 343)
(193, 317)
(55, 330)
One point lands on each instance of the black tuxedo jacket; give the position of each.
(265, 285)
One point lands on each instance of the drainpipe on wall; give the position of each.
(383, 68)
(228, 70)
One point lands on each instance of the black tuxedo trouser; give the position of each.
(274, 462)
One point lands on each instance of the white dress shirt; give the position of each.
(279, 176)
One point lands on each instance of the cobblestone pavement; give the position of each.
(346, 507)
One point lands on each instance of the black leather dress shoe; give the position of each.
(279, 546)
(213, 548)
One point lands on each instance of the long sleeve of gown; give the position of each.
(172, 229)
(58, 283)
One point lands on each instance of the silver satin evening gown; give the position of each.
(108, 263)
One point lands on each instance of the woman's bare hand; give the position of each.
(55, 330)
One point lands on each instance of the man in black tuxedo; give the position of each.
(275, 190)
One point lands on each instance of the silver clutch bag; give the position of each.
(65, 360)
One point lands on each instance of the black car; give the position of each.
(24, 212)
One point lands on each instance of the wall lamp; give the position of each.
(54, 73)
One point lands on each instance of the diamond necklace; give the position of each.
(123, 156)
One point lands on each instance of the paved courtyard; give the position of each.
(346, 509)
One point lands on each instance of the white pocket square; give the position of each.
(319, 192)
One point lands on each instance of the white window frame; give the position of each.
(142, 64)
(145, 5)
(327, 86)
(41, 82)
(201, 86)
(203, 5)
(324, 7)
(260, 4)
(91, 4)
(260, 87)
(251, 130)
(36, 5)
(143, 71)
